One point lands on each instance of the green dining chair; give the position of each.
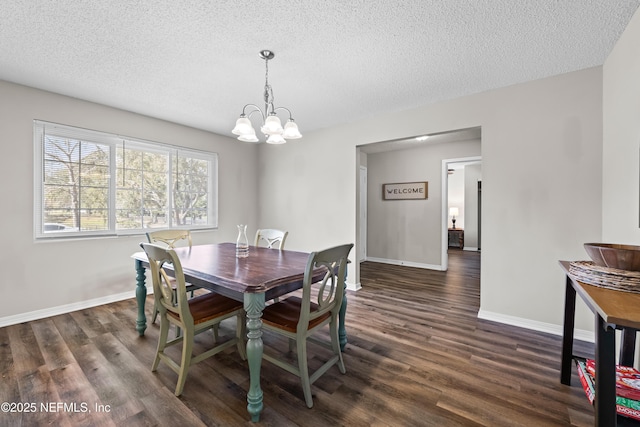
(299, 318)
(170, 238)
(192, 316)
(271, 238)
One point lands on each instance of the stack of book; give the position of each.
(627, 387)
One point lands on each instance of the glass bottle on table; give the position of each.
(242, 243)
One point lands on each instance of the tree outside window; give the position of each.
(100, 183)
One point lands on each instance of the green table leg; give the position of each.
(141, 296)
(254, 305)
(342, 330)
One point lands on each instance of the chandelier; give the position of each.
(271, 125)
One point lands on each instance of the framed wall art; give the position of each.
(405, 191)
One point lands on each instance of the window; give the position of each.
(92, 183)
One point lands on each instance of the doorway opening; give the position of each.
(406, 232)
(461, 205)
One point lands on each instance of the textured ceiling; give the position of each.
(196, 63)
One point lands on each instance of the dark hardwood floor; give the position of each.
(417, 356)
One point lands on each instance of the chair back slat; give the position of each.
(271, 238)
(330, 290)
(169, 237)
(159, 257)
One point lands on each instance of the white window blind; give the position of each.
(93, 183)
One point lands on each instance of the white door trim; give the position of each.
(363, 214)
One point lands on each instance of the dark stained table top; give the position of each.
(215, 267)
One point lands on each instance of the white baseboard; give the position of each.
(550, 328)
(67, 308)
(470, 248)
(406, 263)
(354, 286)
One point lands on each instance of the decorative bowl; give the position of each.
(622, 257)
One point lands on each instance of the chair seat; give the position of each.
(285, 314)
(189, 286)
(206, 307)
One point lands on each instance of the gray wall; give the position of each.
(541, 173)
(410, 231)
(42, 276)
(621, 153)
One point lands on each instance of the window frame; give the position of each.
(113, 141)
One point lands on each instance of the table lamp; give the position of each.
(453, 212)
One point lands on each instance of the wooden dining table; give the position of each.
(264, 275)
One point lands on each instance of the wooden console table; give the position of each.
(613, 310)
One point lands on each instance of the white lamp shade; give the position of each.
(275, 139)
(272, 126)
(243, 127)
(249, 137)
(291, 130)
(453, 211)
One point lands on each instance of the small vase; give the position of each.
(242, 244)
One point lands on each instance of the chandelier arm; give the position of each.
(256, 109)
(286, 109)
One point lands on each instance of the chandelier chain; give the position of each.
(268, 92)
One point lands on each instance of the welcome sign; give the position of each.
(405, 191)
